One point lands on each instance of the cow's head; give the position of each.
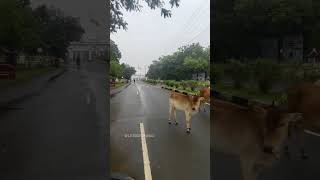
(276, 129)
(195, 103)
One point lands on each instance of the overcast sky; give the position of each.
(150, 36)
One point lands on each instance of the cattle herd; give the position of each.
(257, 134)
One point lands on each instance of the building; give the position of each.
(313, 56)
(87, 50)
(200, 76)
(290, 47)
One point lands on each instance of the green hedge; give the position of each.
(187, 85)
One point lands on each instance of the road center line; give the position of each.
(146, 162)
(312, 133)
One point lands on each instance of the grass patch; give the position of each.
(23, 75)
(119, 84)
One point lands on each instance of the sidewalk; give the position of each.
(27, 89)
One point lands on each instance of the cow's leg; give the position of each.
(171, 108)
(286, 148)
(204, 106)
(300, 142)
(188, 118)
(175, 115)
(249, 171)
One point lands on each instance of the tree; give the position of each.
(116, 70)
(115, 54)
(18, 28)
(117, 7)
(128, 71)
(181, 64)
(57, 30)
(240, 25)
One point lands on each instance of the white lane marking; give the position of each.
(312, 133)
(146, 162)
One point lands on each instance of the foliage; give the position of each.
(128, 71)
(238, 71)
(118, 6)
(266, 73)
(57, 30)
(115, 54)
(181, 64)
(240, 25)
(23, 29)
(116, 70)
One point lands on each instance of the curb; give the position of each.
(54, 77)
(119, 89)
(243, 101)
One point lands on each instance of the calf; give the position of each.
(304, 98)
(254, 134)
(189, 104)
(205, 93)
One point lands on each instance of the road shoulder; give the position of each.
(15, 93)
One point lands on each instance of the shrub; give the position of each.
(238, 71)
(217, 72)
(266, 72)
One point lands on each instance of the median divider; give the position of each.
(242, 101)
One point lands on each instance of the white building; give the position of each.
(87, 50)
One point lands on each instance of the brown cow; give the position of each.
(254, 134)
(305, 98)
(205, 92)
(189, 104)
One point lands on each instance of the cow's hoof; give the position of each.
(176, 123)
(169, 122)
(188, 130)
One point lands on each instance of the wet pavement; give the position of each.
(173, 154)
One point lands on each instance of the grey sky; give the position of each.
(150, 36)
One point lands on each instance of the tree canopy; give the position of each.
(240, 25)
(118, 6)
(181, 64)
(23, 29)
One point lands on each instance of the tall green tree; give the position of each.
(115, 54)
(57, 30)
(128, 71)
(181, 64)
(18, 28)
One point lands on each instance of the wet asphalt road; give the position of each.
(173, 154)
(59, 133)
(226, 167)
